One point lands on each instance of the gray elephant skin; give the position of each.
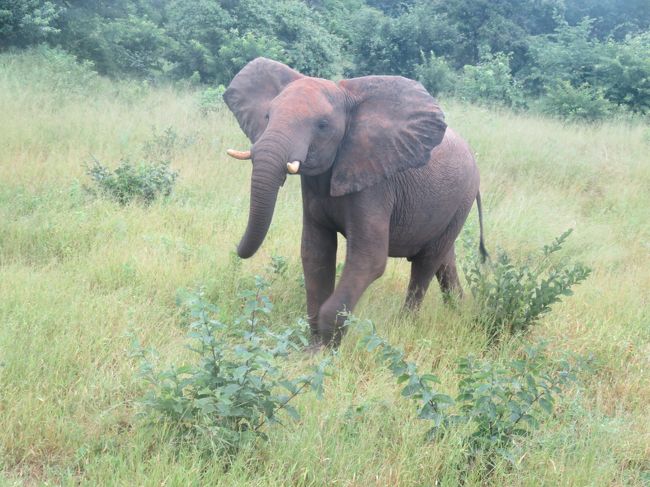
(377, 163)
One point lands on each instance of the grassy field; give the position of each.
(78, 274)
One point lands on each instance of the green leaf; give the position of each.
(411, 389)
(546, 402)
(292, 412)
(430, 378)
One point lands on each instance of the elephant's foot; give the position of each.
(314, 349)
(315, 343)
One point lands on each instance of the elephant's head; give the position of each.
(360, 131)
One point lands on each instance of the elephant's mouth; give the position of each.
(310, 166)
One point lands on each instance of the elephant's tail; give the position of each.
(481, 245)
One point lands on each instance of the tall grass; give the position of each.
(78, 274)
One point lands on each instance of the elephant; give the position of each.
(377, 164)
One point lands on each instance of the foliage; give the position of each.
(145, 181)
(435, 74)
(534, 48)
(25, 22)
(511, 297)
(576, 104)
(211, 100)
(626, 72)
(198, 28)
(239, 384)
(238, 50)
(496, 402)
(506, 401)
(570, 57)
(133, 45)
(490, 81)
(613, 19)
(128, 182)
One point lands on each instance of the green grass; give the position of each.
(77, 274)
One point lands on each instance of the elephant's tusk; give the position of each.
(293, 167)
(238, 154)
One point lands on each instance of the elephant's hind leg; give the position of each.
(447, 275)
(423, 268)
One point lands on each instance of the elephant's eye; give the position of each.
(323, 123)
(266, 117)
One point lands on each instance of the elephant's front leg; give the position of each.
(367, 253)
(318, 252)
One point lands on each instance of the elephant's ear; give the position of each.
(394, 123)
(250, 92)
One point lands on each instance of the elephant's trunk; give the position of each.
(269, 173)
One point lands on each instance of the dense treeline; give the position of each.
(573, 58)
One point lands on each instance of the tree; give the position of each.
(25, 22)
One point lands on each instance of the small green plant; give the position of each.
(143, 181)
(496, 403)
(511, 297)
(238, 386)
(418, 387)
(211, 100)
(502, 402)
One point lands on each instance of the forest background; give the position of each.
(574, 59)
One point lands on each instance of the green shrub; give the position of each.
(211, 100)
(496, 402)
(238, 385)
(511, 297)
(239, 49)
(576, 104)
(490, 81)
(508, 400)
(143, 181)
(586, 76)
(435, 74)
(25, 22)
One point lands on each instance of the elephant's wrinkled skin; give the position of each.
(377, 163)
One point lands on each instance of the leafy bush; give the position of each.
(506, 401)
(576, 104)
(435, 74)
(627, 73)
(143, 181)
(26, 22)
(490, 81)
(133, 45)
(240, 49)
(512, 297)
(211, 100)
(198, 28)
(496, 402)
(238, 386)
(591, 75)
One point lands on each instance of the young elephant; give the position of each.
(377, 164)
